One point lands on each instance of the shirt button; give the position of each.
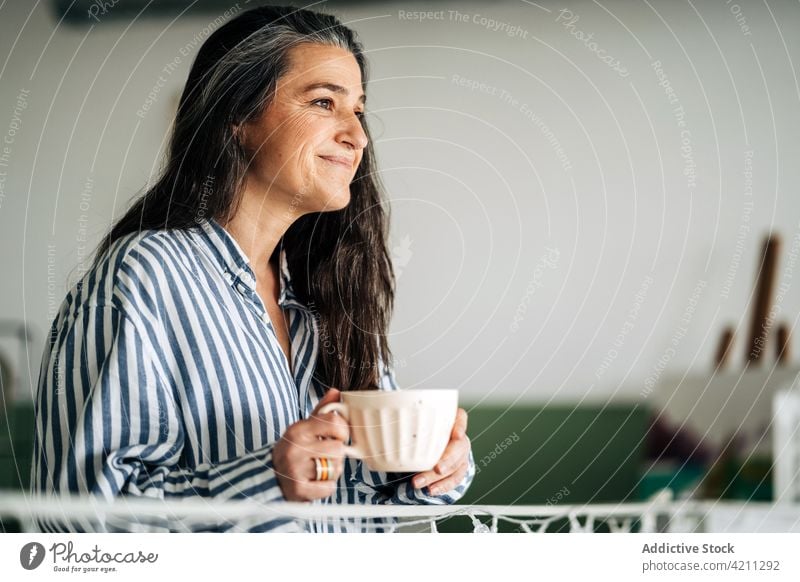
(265, 318)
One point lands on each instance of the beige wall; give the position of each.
(559, 222)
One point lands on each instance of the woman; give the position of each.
(192, 358)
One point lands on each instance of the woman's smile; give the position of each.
(340, 161)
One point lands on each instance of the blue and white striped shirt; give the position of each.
(164, 378)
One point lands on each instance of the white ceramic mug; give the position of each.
(397, 430)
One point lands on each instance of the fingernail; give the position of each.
(441, 468)
(420, 483)
(435, 491)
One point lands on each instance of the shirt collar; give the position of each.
(234, 263)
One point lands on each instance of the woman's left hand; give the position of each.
(454, 464)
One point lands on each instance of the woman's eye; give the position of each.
(328, 103)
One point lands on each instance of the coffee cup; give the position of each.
(397, 430)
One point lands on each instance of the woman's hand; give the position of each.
(454, 464)
(320, 435)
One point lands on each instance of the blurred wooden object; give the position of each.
(765, 281)
(715, 404)
(22, 335)
(783, 347)
(6, 380)
(724, 349)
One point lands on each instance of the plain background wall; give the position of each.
(556, 231)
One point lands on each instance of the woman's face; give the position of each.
(307, 144)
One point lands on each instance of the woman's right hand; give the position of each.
(320, 435)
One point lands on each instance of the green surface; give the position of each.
(16, 450)
(680, 479)
(16, 442)
(594, 453)
(523, 455)
(555, 454)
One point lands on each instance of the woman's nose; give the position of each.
(353, 133)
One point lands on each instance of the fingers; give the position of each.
(457, 450)
(460, 425)
(305, 440)
(329, 425)
(332, 395)
(306, 487)
(320, 435)
(456, 453)
(335, 467)
(296, 469)
(316, 490)
(451, 482)
(296, 452)
(330, 448)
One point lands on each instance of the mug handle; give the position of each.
(342, 408)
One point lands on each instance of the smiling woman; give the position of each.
(187, 361)
(308, 144)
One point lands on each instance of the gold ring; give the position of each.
(324, 468)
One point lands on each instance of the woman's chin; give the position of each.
(337, 200)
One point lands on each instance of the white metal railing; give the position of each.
(660, 514)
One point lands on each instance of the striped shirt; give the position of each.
(163, 377)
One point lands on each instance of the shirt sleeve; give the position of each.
(381, 488)
(107, 423)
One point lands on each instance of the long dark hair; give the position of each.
(339, 261)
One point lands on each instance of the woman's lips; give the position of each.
(344, 162)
